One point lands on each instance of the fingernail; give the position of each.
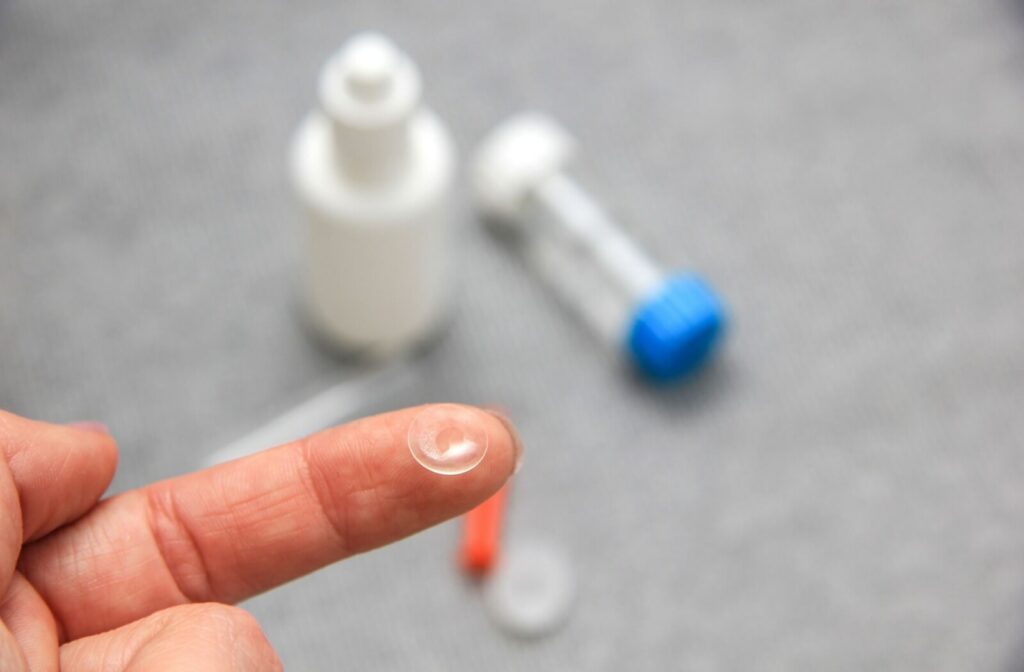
(517, 441)
(90, 426)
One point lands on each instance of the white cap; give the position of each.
(514, 158)
(532, 590)
(370, 89)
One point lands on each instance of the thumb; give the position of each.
(196, 637)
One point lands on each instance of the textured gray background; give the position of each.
(844, 490)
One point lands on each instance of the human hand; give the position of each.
(143, 580)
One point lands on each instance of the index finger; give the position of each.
(240, 528)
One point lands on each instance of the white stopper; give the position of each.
(369, 90)
(515, 158)
(532, 590)
(370, 64)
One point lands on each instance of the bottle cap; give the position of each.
(532, 590)
(675, 330)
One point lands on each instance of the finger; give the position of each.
(60, 471)
(31, 624)
(240, 528)
(49, 475)
(11, 656)
(194, 637)
(10, 525)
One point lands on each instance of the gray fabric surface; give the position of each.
(844, 490)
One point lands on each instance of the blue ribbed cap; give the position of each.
(675, 330)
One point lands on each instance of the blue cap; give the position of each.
(675, 330)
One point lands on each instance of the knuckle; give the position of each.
(176, 545)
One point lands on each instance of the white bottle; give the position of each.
(373, 170)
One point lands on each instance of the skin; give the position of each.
(144, 580)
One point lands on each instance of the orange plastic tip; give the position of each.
(481, 535)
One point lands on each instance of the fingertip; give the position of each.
(513, 435)
(43, 458)
(368, 470)
(97, 440)
(90, 426)
(449, 493)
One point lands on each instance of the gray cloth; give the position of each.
(844, 490)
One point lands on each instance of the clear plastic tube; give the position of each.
(666, 323)
(591, 264)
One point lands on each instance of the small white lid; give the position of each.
(369, 83)
(532, 590)
(514, 158)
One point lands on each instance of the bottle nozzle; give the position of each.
(371, 63)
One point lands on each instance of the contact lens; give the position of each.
(447, 439)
